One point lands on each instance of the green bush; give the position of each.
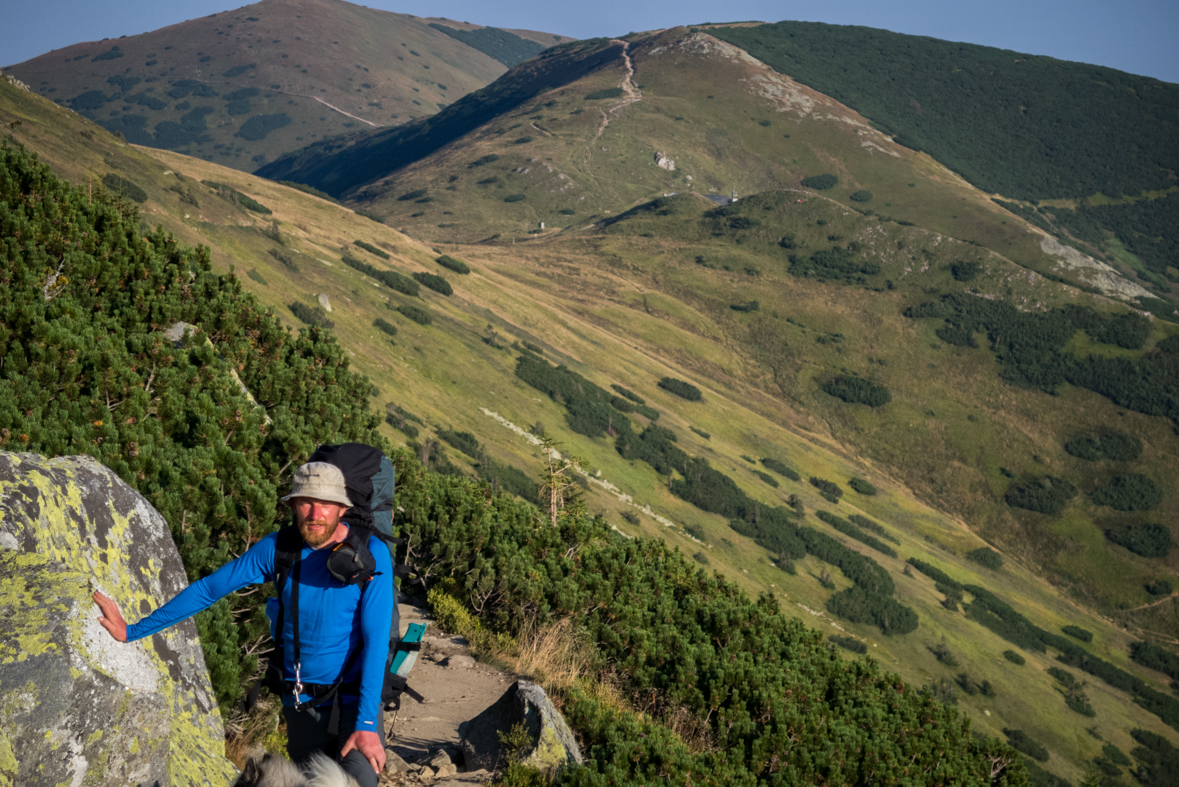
(1044, 495)
(1020, 741)
(1160, 587)
(371, 249)
(112, 54)
(702, 433)
(117, 184)
(312, 315)
(986, 557)
(385, 326)
(849, 528)
(621, 405)
(856, 390)
(1130, 492)
(1014, 658)
(1116, 446)
(781, 469)
(515, 198)
(285, 259)
(434, 282)
(647, 411)
(829, 487)
(861, 196)
(391, 279)
(230, 194)
(458, 266)
(463, 441)
(567, 211)
(820, 182)
(681, 389)
(862, 486)
(523, 141)
(849, 643)
(1078, 633)
(259, 126)
(607, 92)
(253, 274)
(965, 271)
(1155, 657)
(313, 192)
(415, 313)
(876, 528)
(412, 195)
(766, 477)
(1144, 540)
(490, 158)
(399, 418)
(634, 397)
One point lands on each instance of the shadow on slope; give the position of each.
(341, 164)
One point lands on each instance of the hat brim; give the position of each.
(319, 494)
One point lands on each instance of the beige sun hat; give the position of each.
(320, 481)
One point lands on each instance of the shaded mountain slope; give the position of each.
(242, 86)
(339, 165)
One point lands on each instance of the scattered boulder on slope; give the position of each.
(76, 707)
(553, 744)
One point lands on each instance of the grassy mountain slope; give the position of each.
(554, 148)
(242, 86)
(629, 303)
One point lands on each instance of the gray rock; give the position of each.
(393, 763)
(176, 331)
(551, 747)
(459, 661)
(442, 765)
(75, 706)
(324, 302)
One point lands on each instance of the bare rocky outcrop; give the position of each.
(76, 707)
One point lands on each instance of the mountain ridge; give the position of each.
(241, 85)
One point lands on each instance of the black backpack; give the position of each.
(370, 480)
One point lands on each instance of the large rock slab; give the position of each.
(76, 707)
(552, 743)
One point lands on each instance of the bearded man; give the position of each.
(332, 628)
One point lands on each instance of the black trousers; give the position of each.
(306, 736)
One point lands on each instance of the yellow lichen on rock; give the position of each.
(110, 712)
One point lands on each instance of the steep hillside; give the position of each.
(243, 86)
(788, 321)
(1026, 126)
(726, 140)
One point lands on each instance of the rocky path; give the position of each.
(456, 688)
(632, 93)
(629, 89)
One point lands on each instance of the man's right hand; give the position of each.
(112, 619)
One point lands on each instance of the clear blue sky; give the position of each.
(1140, 36)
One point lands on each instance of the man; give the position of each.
(341, 633)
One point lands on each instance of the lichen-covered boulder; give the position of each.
(551, 742)
(77, 707)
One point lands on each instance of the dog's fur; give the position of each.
(272, 771)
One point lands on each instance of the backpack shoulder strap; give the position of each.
(287, 549)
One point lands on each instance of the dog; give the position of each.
(272, 771)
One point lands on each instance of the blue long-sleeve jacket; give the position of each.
(334, 618)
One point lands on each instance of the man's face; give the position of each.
(317, 519)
